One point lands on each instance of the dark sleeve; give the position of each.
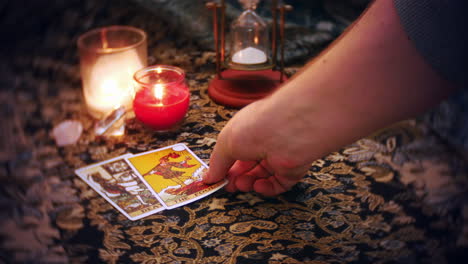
(438, 28)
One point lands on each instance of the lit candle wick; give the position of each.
(159, 93)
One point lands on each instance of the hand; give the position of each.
(371, 77)
(261, 149)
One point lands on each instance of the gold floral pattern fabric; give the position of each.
(398, 195)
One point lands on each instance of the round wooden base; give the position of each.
(240, 88)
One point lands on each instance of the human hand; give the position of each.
(262, 149)
(372, 76)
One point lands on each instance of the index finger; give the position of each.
(221, 161)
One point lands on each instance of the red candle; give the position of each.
(162, 96)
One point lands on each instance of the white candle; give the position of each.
(249, 55)
(110, 84)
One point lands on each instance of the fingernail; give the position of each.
(205, 176)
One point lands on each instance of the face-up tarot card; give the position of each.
(115, 180)
(175, 174)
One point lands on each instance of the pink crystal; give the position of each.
(67, 132)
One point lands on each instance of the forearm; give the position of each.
(369, 78)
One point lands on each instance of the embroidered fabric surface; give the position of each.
(396, 196)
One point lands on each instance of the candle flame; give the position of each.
(158, 70)
(109, 85)
(256, 40)
(108, 92)
(159, 92)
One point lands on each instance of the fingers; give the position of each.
(276, 184)
(281, 181)
(238, 173)
(221, 158)
(220, 162)
(245, 182)
(269, 187)
(261, 178)
(232, 145)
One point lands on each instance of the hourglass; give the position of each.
(249, 43)
(250, 70)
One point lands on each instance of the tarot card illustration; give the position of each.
(116, 181)
(175, 174)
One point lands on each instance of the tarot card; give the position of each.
(175, 174)
(116, 181)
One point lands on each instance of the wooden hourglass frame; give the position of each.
(238, 85)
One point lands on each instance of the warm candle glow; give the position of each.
(108, 94)
(108, 59)
(162, 97)
(108, 88)
(110, 83)
(159, 92)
